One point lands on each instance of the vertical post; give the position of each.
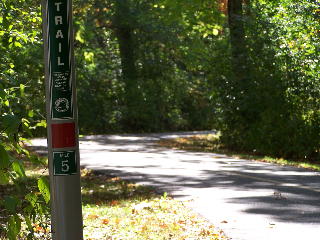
(61, 106)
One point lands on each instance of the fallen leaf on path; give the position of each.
(114, 179)
(163, 225)
(117, 221)
(38, 229)
(144, 228)
(92, 216)
(271, 225)
(279, 196)
(182, 222)
(105, 221)
(114, 203)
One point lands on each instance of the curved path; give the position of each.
(249, 200)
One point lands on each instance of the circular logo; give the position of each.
(61, 105)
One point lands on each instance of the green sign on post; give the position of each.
(64, 163)
(60, 60)
(61, 106)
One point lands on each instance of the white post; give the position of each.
(61, 106)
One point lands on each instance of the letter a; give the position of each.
(59, 34)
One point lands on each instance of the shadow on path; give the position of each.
(278, 193)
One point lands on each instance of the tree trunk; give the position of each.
(242, 112)
(124, 32)
(237, 40)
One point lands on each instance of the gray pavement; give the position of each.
(248, 200)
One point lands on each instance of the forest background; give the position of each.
(248, 69)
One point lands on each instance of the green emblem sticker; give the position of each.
(64, 163)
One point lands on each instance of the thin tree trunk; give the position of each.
(124, 33)
(242, 110)
(237, 40)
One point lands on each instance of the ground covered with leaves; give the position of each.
(117, 209)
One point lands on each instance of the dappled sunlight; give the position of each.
(220, 187)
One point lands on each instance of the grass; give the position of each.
(211, 143)
(117, 209)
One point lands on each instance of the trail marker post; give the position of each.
(61, 106)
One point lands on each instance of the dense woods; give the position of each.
(248, 69)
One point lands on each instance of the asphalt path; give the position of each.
(249, 200)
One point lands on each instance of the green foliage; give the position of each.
(14, 227)
(44, 188)
(156, 83)
(19, 77)
(279, 112)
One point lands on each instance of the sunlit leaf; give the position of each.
(215, 32)
(32, 199)
(30, 113)
(18, 168)
(22, 88)
(17, 44)
(44, 188)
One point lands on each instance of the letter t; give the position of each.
(58, 5)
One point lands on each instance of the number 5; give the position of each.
(65, 166)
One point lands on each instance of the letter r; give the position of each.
(58, 20)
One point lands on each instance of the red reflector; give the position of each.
(63, 135)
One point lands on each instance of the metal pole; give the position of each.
(62, 125)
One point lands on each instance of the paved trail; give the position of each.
(248, 200)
